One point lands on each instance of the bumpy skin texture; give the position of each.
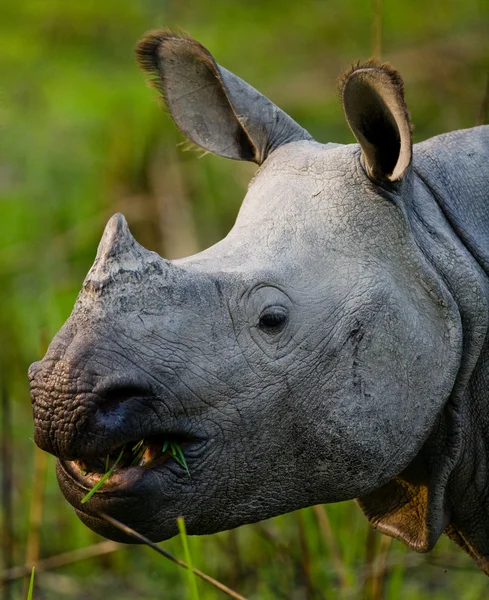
(373, 386)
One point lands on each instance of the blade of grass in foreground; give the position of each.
(126, 529)
(178, 456)
(31, 585)
(103, 479)
(194, 593)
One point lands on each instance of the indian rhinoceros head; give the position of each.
(306, 358)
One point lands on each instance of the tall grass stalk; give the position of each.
(192, 580)
(381, 567)
(30, 593)
(7, 483)
(61, 560)
(377, 29)
(36, 507)
(305, 561)
(332, 546)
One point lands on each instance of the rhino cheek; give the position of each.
(365, 391)
(389, 392)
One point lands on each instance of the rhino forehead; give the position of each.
(308, 203)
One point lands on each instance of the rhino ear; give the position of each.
(211, 106)
(373, 101)
(412, 513)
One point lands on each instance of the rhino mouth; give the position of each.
(114, 451)
(143, 481)
(147, 453)
(125, 464)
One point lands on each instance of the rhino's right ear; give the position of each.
(211, 106)
(373, 101)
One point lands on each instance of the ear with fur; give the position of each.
(373, 101)
(211, 106)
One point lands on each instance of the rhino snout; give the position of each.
(80, 416)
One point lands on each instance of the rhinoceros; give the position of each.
(331, 347)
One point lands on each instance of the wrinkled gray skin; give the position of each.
(332, 346)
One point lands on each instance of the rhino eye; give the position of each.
(273, 319)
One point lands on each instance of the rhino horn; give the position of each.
(119, 256)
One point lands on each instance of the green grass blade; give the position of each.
(31, 585)
(141, 449)
(137, 447)
(103, 479)
(192, 580)
(180, 457)
(175, 451)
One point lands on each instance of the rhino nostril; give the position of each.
(118, 394)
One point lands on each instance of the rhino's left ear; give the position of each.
(373, 101)
(212, 107)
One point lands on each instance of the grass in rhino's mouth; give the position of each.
(142, 454)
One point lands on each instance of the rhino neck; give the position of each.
(467, 489)
(446, 483)
(459, 184)
(454, 168)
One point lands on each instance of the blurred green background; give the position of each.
(82, 137)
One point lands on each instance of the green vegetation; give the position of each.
(82, 137)
(192, 580)
(31, 584)
(103, 479)
(175, 451)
